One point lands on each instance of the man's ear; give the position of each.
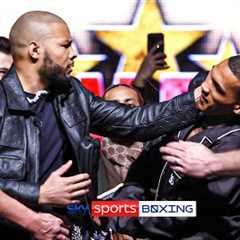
(236, 109)
(34, 50)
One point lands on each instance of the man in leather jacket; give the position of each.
(46, 117)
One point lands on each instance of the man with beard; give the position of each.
(36, 223)
(46, 117)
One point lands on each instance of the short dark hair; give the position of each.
(5, 46)
(141, 101)
(234, 65)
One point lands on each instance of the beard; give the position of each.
(54, 77)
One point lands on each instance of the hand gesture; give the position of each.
(59, 190)
(154, 60)
(189, 158)
(48, 227)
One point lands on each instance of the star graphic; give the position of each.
(94, 56)
(226, 49)
(84, 62)
(201, 13)
(132, 42)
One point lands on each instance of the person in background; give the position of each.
(6, 59)
(144, 81)
(117, 155)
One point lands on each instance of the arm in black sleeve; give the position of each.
(141, 123)
(24, 191)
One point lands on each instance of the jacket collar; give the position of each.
(210, 135)
(16, 99)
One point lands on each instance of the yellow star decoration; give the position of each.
(133, 43)
(226, 50)
(81, 65)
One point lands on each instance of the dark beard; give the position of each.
(54, 78)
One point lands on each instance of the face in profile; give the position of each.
(219, 92)
(124, 95)
(5, 63)
(58, 58)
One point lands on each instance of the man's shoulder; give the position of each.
(78, 87)
(84, 95)
(224, 137)
(76, 83)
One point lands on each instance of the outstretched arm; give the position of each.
(142, 123)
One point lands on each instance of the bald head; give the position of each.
(125, 94)
(31, 26)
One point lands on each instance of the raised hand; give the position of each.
(154, 60)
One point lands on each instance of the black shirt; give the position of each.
(51, 137)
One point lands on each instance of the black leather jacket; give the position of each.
(80, 113)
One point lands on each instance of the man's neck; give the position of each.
(219, 119)
(194, 132)
(30, 80)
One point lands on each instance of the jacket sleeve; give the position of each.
(24, 191)
(140, 123)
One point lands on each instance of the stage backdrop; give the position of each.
(110, 36)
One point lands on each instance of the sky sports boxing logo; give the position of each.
(132, 208)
